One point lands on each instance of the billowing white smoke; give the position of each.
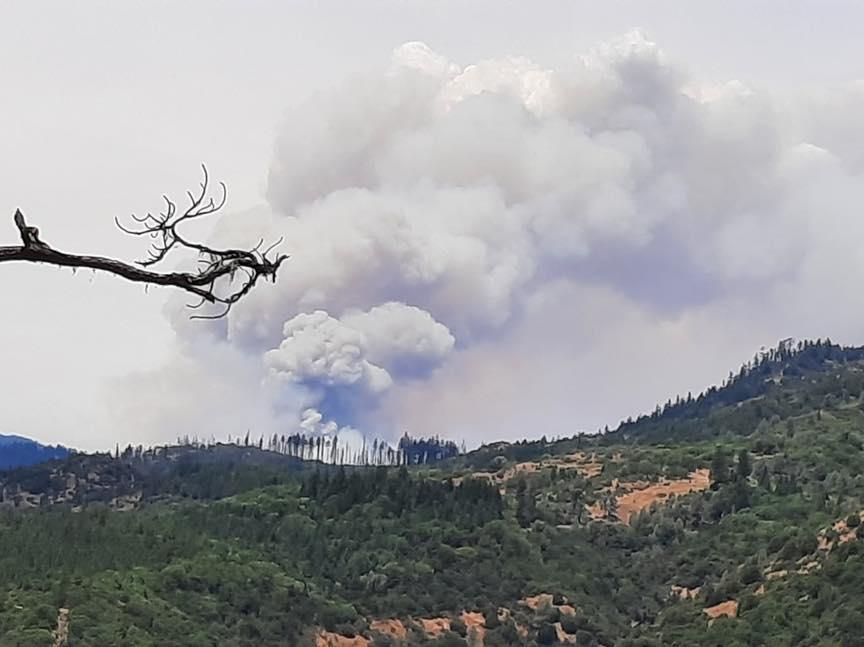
(322, 351)
(405, 340)
(349, 362)
(441, 217)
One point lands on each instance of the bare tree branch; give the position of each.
(235, 270)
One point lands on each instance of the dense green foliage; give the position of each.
(227, 552)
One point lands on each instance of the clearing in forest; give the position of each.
(640, 495)
(587, 466)
(729, 609)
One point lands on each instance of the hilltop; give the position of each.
(123, 480)
(17, 451)
(726, 518)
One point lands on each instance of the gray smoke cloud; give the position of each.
(490, 243)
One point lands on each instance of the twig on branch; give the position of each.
(236, 270)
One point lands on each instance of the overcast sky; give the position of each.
(530, 220)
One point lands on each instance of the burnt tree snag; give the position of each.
(222, 276)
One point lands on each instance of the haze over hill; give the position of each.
(17, 451)
(476, 237)
(514, 225)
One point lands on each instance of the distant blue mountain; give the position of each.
(8, 439)
(17, 451)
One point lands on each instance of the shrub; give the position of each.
(546, 634)
(337, 614)
(458, 625)
(750, 573)
(585, 638)
(490, 618)
(570, 624)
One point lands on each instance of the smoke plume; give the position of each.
(501, 249)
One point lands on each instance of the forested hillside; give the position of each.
(726, 518)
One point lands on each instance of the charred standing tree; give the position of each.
(222, 277)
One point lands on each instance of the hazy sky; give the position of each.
(537, 222)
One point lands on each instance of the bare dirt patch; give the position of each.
(684, 593)
(563, 636)
(839, 533)
(537, 601)
(391, 627)
(729, 609)
(434, 626)
(808, 567)
(587, 466)
(476, 625)
(639, 495)
(330, 639)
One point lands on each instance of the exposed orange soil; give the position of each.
(391, 627)
(476, 625)
(641, 495)
(808, 567)
(844, 534)
(473, 619)
(329, 639)
(520, 468)
(588, 467)
(841, 534)
(563, 636)
(542, 600)
(537, 601)
(684, 593)
(504, 614)
(435, 626)
(592, 469)
(596, 511)
(728, 609)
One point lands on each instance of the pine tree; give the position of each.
(763, 476)
(744, 465)
(526, 506)
(719, 467)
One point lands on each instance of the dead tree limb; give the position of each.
(223, 276)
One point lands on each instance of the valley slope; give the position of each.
(730, 518)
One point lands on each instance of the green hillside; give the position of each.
(744, 501)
